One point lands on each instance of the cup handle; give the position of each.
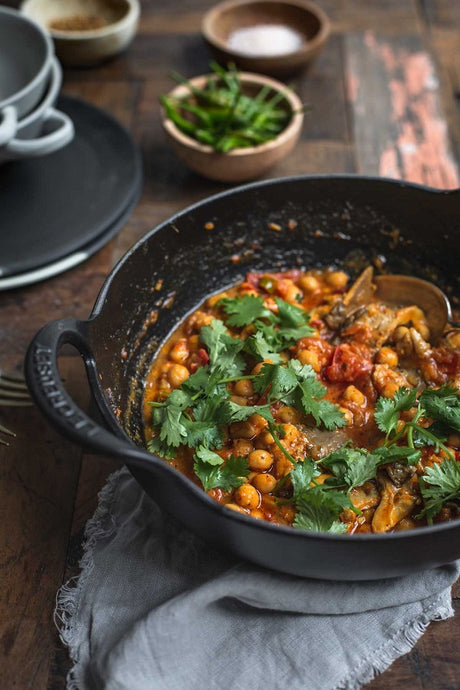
(8, 125)
(61, 135)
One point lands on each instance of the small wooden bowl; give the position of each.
(295, 32)
(241, 164)
(86, 32)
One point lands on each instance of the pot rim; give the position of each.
(404, 535)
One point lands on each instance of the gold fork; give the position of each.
(13, 393)
(4, 430)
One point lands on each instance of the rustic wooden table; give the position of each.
(385, 101)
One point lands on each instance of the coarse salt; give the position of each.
(265, 40)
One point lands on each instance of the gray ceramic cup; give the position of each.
(43, 131)
(26, 54)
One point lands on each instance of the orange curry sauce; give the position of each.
(358, 358)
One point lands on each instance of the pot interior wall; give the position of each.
(341, 222)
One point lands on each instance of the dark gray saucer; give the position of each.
(59, 209)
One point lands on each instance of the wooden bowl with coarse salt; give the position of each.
(274, 37)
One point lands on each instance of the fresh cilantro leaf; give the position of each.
(208, 456)
(167, 417)
(260, 349)
(242, 311)
(224, 475)
(292, 316)
(161, 448)
(230, 412)
(224, 351)
(387, 410)
(355, 466)
(301, 476)
(278, 379)
(197, 381)
(439, 484)
(443, 405)
(207, 433)
(324, 412)
(318, 511)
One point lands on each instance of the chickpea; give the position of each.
(454, 440)
(179, 351)
(260, 460)
(386, 355)
(266, 439)
(247, 496)
(264, 483)
(309, 283)
(353, 395)
(347, 414)
(238, 400)
(259, 366)
(288, 415)
(293, 294)
(242, 447)
(423, 329)
(258, 514)
(243, 430)
(177, 375)
(337, 279)
(244, 388)
(311, 358)
(389, 389)
(194, 342)
(212, 301)
(236, 508)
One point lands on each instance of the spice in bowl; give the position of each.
(222, 116)
(78, 22)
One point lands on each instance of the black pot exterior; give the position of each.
(279, 224)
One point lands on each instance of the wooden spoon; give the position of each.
(406, 290)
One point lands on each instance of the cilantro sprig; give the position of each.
(273, 332)
(214, 472)
(297, 385)
(441, 405)
(439, 484)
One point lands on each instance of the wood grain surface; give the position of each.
(385, 101)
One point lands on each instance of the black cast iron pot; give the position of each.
(341, 221)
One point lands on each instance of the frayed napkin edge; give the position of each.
(68, 597)
(400, 644)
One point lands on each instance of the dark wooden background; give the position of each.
(385, 96)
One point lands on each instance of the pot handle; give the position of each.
(48, 391)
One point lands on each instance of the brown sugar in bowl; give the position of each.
(289, 33)
(240, 164)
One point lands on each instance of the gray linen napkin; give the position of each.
(155, 608)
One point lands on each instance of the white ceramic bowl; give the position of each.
(43, 131)
(26, 53)
(86, 32)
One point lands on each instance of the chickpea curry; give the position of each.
(297, 398)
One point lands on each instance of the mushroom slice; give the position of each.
(396, 503)
(365, 496)
(357, 296)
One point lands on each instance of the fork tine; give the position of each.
(10, 382)
(6, 431)
(14, 393)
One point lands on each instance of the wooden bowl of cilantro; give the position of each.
(231, 126)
